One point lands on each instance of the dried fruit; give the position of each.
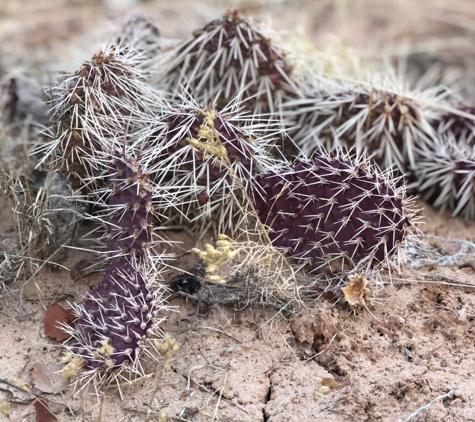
(187, 283)
(357, 291)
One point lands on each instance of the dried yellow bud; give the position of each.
(72, 367)
(106, 348)
(215, 257)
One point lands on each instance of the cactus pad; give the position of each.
(113, 320)
(334, 209)
(229, 56)
(130, 209)
(205, 156)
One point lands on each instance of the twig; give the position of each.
(18, 401)
(38, 396)
(148, 412)
(208, 328)
(206, 390)
(425, 407)
(46, 261)
(436, 279)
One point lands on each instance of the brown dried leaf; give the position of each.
(330, 383)
(53, 318)
(358, 291)
(43, 414)
(47, 380)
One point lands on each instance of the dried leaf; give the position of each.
(53, 318)
(47, 380)
(358, 291)
(43, 414)
(330, 383)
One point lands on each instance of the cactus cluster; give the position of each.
(139, 148)
(96, 113)
(236, 169)
(335, 212)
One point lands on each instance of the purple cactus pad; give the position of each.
(332, 209)
(231, 56)
(117, 313)
(130, 221)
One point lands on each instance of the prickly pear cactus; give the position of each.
(92, 112)
(457, 126)
(113, 323)
(445, 176)
(334, 210)
(129, 213)
(229, 56)
(142, 36)
(384, 124)
(114, 319)
(204, 157)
